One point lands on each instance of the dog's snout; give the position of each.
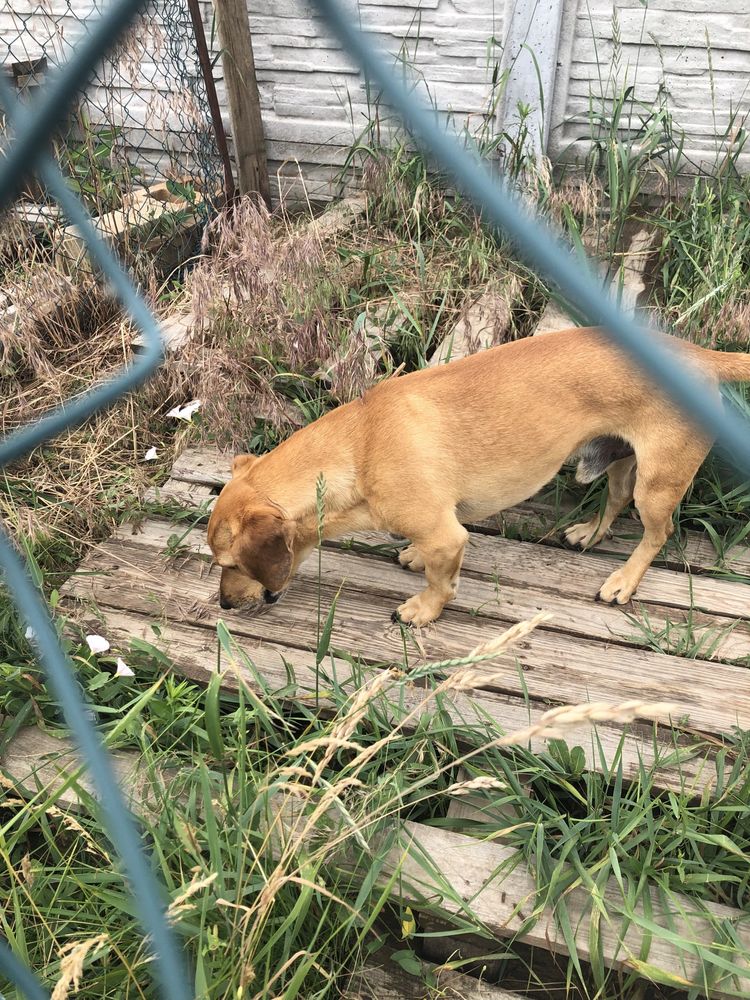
(269, 597)
(225, 604)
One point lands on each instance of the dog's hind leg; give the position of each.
(661, 482)
(443, 551)
(621, 482)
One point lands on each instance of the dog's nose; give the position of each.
(269, 597)
(224, 603)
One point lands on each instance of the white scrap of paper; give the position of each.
(185, 412)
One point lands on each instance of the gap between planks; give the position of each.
(382, 979)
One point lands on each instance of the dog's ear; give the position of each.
(241, 463)
(265, 550)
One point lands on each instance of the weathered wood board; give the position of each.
(459, 875)
(550, 665)
(440, 872)
(46, 764)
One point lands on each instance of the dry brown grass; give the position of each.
(294, 322)
(268, 302)
(729, 324)
(58, 339)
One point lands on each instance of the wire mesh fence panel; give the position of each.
(138, 144)
(26, 149)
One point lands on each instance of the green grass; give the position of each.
(220, 766)
(685, 637)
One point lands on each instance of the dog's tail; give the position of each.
(729, 366)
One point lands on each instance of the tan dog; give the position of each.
(420, 455)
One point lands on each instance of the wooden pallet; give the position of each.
(588, 651)
(143, 576)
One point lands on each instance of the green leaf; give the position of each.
(324, 642)
(224, 636)
(408, 961)
(212, 717)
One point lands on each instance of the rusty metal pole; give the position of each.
(213, 101)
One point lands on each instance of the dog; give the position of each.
(423, 454)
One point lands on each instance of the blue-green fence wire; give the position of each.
(499, 208)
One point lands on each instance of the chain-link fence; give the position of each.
(500, 207)
(138, 145)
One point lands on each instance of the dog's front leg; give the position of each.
(443, 552)
(411, 558)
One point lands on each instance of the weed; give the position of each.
(686, 637)
(95, 167)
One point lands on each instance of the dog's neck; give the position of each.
(311, 466)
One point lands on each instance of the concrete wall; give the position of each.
(692, 54)
(315, 105)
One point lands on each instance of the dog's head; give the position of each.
(251, 540)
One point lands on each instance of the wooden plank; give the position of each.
(490, 587)
(36, 760)
(628, 282)
(338, 217)
(382, 979)
(248, 139)
(175, 330)
(202, 465)
(194, 651)
(550, 665)
(692, 551)
(571, 573)
(543, 523)
(580, 574)
(189, 495)
(486, 880)
(484, 322)
(145, 210)
(208, 467)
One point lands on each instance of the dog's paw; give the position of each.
(410, 558)
(417, 611)
(616, 589)
(582, 535)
